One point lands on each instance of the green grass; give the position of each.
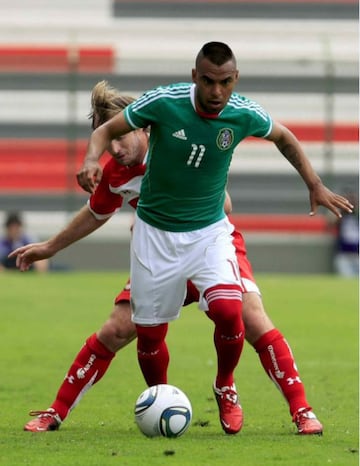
(45, 320)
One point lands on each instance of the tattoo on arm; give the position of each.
(291, 154)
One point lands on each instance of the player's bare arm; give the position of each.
(90, 173)
(82, 225)
(290, 147)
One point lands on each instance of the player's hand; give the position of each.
(321, 195)
(89, 176)
(30, 253)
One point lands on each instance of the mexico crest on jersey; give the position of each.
(225, 138)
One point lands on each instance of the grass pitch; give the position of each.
(45, 320)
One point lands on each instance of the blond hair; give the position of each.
(106, 102)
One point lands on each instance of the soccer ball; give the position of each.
(163, 410)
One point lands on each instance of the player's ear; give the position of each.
(193, 75)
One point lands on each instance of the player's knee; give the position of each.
(118, 330)
(224, 302)
(256, 320)
(151, 337)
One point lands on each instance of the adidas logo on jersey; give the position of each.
(180, 134)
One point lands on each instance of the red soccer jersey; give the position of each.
(118, 184)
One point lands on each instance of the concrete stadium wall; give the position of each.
(285, 254)
(306, 249)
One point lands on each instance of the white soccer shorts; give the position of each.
(162, 262)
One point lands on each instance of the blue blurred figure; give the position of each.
(14, 237)
(346, 258)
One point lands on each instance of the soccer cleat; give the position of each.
(307, 423)
(45, 421)
(230, 411)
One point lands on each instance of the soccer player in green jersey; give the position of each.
(181, 231)
(273, 350)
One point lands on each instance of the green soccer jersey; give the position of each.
(183, 188)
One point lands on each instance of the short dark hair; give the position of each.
(217, 53)
(13, 218)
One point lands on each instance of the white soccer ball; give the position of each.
(163, 410)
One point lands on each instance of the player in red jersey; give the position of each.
(121, 181)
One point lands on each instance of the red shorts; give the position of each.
(124, 294)
(192, 296)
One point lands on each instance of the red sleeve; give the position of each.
(104, 202)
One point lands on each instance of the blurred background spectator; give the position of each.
(346, 257)
(14, 236)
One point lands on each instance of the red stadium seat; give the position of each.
(56, 59)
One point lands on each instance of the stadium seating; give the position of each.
(49, 60)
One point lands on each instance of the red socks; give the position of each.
(153, 354)
(88, 367)
(225, 310)
(278, 362)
